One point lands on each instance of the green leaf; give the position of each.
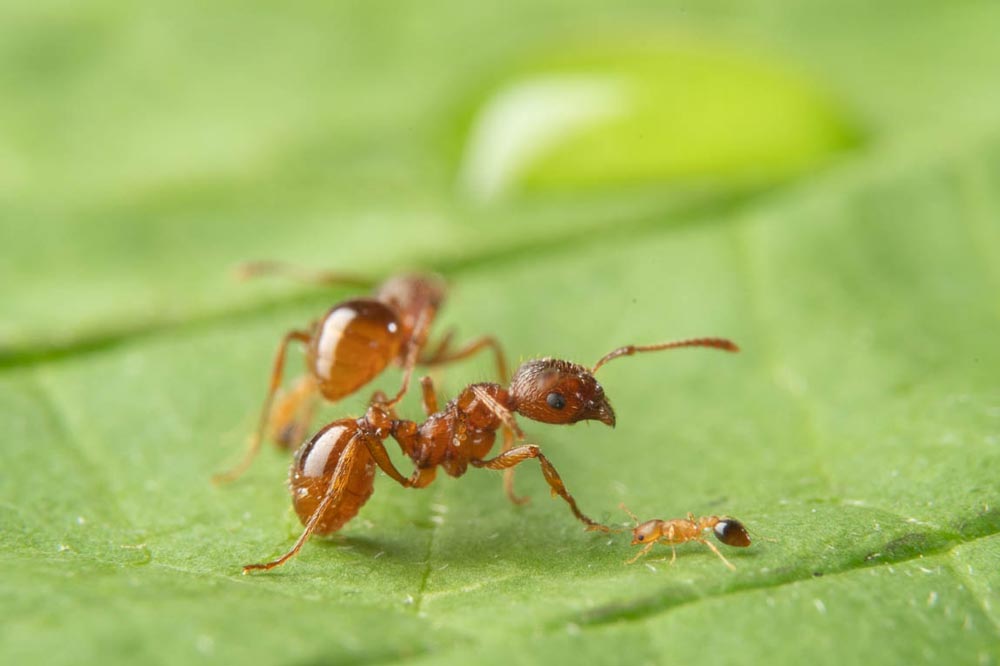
(144, 152)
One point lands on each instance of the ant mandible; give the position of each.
(350, 346)
(333, 473)
(681, 530)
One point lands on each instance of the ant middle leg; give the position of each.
(442, 354)
(518, 455)
(417, 341)
(265, 413)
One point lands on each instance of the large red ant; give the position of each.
(350, 346)
(333, 473)
(681, 530)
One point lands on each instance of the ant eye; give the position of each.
(555, 400)
(641, 537)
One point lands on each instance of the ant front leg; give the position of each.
(265, 412)
(645, 549)
(511, 433)
(518, 455)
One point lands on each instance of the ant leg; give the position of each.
(333, 495)
(442, 355)
(521, 453)
(252, 269)
(508, 474)
(443, 344)
(380, 398)
(510, 432)
(417, 341)
(292, 413)
(501, 412)
(721, 556)
(265, 412)
(645, 549)
(429, 396)
(381, 456)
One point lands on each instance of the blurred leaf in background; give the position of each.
(818, 181)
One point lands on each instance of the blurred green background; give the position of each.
(819, 181)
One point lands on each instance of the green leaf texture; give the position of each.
(145, 150)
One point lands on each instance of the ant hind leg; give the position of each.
(265, 413)
(333, 495)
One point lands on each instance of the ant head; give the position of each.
(732, 533)
(554, 391)
(646, 532)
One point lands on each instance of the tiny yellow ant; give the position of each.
(681, 530)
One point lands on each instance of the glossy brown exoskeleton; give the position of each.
(333, 473)
(350, 346)
(681, 530)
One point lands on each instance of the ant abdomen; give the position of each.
(334, 455)
(732, 533)
(352, 344)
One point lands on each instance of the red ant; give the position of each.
(350, 346)
(333, 473)
(681, 530)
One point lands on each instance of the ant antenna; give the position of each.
(715, 343)
(251, 269)
(631, 515)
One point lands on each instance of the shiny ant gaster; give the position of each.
(350, 346)
(333, 473)
(681, 530)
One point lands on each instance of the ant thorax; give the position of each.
(464, 430)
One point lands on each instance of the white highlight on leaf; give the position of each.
(522, 122)
(820, 606)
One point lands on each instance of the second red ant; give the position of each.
(351, 345)
(333, 473)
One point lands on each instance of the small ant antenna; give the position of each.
(631, 515)
(252, 269)
(628, 350)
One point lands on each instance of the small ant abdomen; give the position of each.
(352, 344)
(336, 450)
(732, 533)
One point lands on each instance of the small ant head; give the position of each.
(647, 532)
(732, 533)
(554, 391)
